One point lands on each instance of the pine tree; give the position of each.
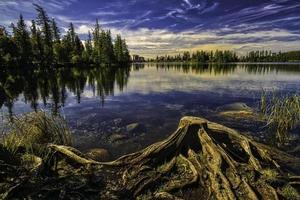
(55, 31)
(118, 49)
(72, 34)
(78, 46)
(66, 49)
(44, 22)
(125, 52)
(22, 40)
(121, 52)
(110, 47)
(7, 47)
(36, 42)
(88, 48)
(45, 45)
(97, 43)
(57, 47)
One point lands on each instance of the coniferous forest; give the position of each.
(227, 56)
(43, 43)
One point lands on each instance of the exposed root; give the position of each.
(72, 154)
(217, 158)
(166, 196)
(218, 161)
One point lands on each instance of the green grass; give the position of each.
(30, 133)
(290, 193)
(269, 174)
(282, 114)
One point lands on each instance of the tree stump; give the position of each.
(211, 160)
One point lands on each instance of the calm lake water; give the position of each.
(99, 104)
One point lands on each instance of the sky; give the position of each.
(158, 27)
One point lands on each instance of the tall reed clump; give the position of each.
(31, 133)
(282, 114)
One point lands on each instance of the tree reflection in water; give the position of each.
(52, 85)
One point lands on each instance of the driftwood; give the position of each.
(200, 155)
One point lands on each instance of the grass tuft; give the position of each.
(269, 174)
(290, 193)
(31, 133)
(282, 114)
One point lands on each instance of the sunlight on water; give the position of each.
(68, 87)
(93, 100)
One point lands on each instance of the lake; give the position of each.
(124, 109)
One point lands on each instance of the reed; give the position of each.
(281, 113)
(30, 133)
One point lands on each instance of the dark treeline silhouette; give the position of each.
(229, 56)
(53, 86)
(268, 56)
(200, 57)
(42, 43)
(198, 68)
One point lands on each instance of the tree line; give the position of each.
(229, 56)
(42, 42)
(200, 57)
(269, 56)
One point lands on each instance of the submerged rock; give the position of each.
(117, 121)
(117, 137)
(98, 154)
(237, 110)
(238, 106)
(135, 128)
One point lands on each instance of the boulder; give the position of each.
(117, 137)
(237, 110)
(135, 128)
(98, 154)
(239, 106)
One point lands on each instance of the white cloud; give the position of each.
(106, 13)
(83, 29)
(150, 42)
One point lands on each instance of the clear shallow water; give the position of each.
(99, 103)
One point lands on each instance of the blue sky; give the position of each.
(154, 27)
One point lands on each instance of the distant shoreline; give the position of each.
(216, 63)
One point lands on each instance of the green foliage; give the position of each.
(55, 31)
(104, 50)
(8, 47)
(22, 40)
(87, 54)
(268, 56)
(121, 50)
(75, 59)
(201, 57)
(230, 56)
(269, 174)
(47, 37)
(36, 42)
(43, 44)
(290, 193)
(281, 113)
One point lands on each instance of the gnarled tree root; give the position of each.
(202, 153)
(215, 160)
